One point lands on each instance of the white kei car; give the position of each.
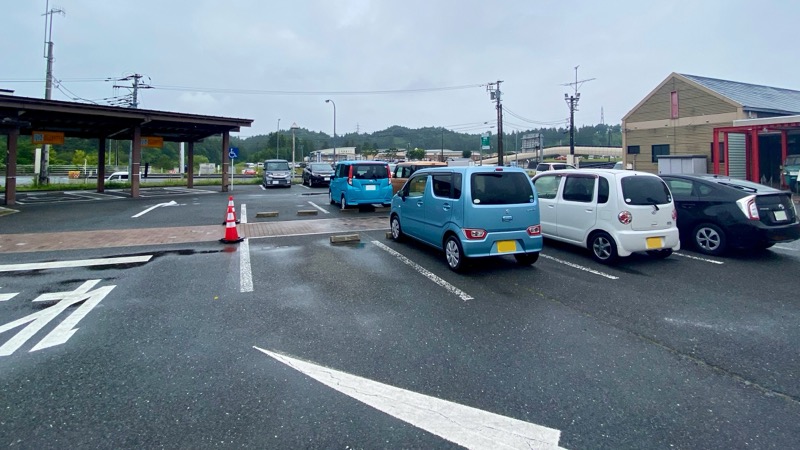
(613, 213)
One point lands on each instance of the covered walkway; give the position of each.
(48, 121)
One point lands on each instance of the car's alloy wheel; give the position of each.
(604, 249)
(454, 254)
(397, 232)
(709, 239)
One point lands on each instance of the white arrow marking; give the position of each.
(7, 297)
(172, 203)
(460, 424)
(75, 263)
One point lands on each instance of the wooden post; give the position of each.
(101, 164)
(11, 167)
(190, 172)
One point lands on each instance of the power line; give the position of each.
(275, 92)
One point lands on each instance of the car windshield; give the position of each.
(280, 165)
(322, 167)
(793, 161)
(644, 190)
(501, 188)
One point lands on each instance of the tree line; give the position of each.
(279, 145)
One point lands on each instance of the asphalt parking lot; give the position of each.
(687, 352)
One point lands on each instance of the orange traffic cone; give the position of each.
(231, 208)
(231, 235)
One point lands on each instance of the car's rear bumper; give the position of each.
(755, 234)
(637, 241)
(498, 244)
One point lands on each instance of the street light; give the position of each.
(278, 140)
(334, 128)
(294, 127)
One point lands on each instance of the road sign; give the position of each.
(233, 152)
(485, 142)
(47, 137)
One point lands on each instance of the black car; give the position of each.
(317, 174)
(716, 213)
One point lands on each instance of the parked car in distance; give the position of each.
(317, 174)
(618, 166)
(404, 170)
(118, 176)
(360, 183)
(248, 171)
(791, 169)
(277, 173)
(545, 166)
(716, 213)
(613, 213)
(470, 212)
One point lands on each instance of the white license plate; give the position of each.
(326, 178)
(276, 182)
(370, 187)
(780, 215)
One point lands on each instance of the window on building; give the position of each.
(720, 151)
(659, 150)
(633, 149)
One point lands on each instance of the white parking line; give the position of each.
(699, 259)
(464, 296)
(781, 247)
(319, 207)
(75, 263)
(245, 270)
(576, 266)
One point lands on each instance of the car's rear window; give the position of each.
(501, 188)
(277, 166)
(370, 171)
(644, 190)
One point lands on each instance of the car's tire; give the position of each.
(454, 254)
(526, 259)
(709, 239)
(660, 254)
(344, 202)
(397, 231)
(603, 248)
(330, 197)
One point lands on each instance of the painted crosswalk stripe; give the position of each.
(75, 263)
(463, 425)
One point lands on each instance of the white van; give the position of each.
(118, 176)
(613, 213)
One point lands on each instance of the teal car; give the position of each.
(360, 183)
(470, 212)
(790, 168)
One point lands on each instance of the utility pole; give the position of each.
(494, 94)
(572, 103)
(44, 177)
(133, 103)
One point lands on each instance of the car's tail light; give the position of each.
(534, 230)
(498, 169)
(474, 233)
(625, 217)
(674, 214)
(389, 171)
(350, 176)
(748, 207)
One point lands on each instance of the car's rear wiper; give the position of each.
(653, 201)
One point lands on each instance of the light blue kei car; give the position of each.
(470, 212)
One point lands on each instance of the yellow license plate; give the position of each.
(506, 246)
(655, 242)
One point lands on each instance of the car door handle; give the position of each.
(446, 207)
(419, 203)
(589, 210)
(551, 206)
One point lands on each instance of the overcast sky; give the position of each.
(268, 60)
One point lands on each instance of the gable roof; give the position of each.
(752, 97)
